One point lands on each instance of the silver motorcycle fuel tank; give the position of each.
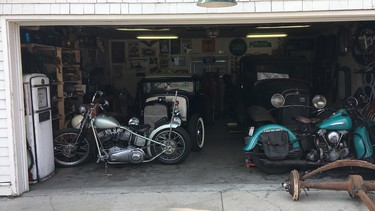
(105, 122)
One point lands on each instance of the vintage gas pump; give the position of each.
(38, 126)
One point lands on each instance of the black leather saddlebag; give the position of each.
(275, 144)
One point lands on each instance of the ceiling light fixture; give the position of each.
(141, 29)
(265, 35)
(157, 37)
(216, 3)
(283, 27)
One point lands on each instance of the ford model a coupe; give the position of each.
(277, 90)
(158, 93)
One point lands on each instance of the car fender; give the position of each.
(260, 114)
(253, 140)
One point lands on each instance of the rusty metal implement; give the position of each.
(355, 185)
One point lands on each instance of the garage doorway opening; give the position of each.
(115, 60)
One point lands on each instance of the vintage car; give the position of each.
(157, 94)
(277, 90)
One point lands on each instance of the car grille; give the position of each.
(154, 112)
(296, 104)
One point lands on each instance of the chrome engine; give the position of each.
(122, 146)
(120, 136)
(331, 146)
(128, 155)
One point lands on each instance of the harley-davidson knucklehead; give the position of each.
(116, 144)
(345, 134)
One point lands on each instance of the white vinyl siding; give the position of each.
(5, 169)
(60, 7)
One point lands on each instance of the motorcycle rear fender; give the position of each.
(166, 126)
(253, 140)
(362, 143)
(156, 130)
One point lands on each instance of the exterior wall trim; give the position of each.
(172, 19)
(15, 120)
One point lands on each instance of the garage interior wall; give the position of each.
(91, 12)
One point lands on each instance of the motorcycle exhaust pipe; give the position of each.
(289, 162)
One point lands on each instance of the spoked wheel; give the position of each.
(265, 168)
(66, 153)
(175, 149)
(196, 132)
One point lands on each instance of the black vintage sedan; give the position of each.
(157, 94)
(277, 90)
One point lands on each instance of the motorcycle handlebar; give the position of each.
(100, 93)
(96, 101)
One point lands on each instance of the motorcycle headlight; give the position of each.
(319, 101)
(277, 100)
(133, 121)
(82, 109)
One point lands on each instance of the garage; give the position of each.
(115, 60)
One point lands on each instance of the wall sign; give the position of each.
(260, 44)
(238, 47)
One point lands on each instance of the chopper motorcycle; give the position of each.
(116, 144)
(345, 134)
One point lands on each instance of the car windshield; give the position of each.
(264, 75)
(270, 71)
(187, 86)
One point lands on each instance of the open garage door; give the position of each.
(116, 60)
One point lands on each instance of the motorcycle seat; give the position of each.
(140, 128)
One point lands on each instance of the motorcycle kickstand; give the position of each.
(105, 174)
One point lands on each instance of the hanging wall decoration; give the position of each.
(139, 65)
(133, 48)
(187, 46)
(208, 46)
(164, 46)
(148, 52)
(237, 47)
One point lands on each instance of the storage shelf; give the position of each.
(55, 64)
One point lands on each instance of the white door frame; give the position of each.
(15, 108)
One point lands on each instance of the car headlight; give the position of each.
(319, 101)
(177, 120)
(82, 109)
(277, 100)
(133, 121)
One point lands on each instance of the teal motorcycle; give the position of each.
(345, 134)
